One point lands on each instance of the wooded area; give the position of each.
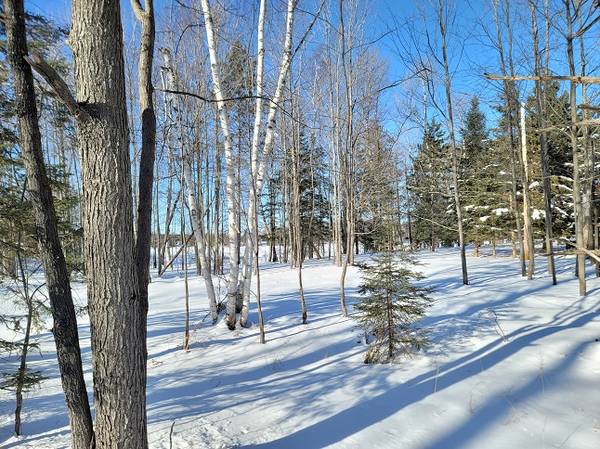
(216, 138)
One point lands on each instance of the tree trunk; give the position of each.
(543, 148)
(453, 149)
(196, 216)
(510, 95)
(218, 263)
(186, 327)
(231, 191)
(528, 229)
(65, 331)
(346, 156)
(258, 162)
(146, 173)
(579, 236)
(21, 373)
(587, 183)
(297, 224)
(115, 309)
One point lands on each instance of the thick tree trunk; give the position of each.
(55, 268)
(115, 308)
(587, 183)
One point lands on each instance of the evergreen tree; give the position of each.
(474, 135)
(560, 159)
(378, 175)
(314, 207)
(485, 183)
(429, 184)
(390, 307)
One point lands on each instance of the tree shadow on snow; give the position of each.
(368, 412)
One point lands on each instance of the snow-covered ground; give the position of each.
(512, 364)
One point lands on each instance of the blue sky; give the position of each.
(470, 52)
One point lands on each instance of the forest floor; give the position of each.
(512, 364)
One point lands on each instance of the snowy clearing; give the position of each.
(512, 364)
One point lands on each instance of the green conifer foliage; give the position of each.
(391, 306)
(429, 185)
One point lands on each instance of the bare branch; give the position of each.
(309, 28)
(576, 79)
(58, 85)
(138, 10)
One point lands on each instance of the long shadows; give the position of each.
(352, 420)
(295, 370)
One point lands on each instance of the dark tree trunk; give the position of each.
(24, 349)
(55, 268)
(146, 178)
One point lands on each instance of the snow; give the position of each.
(537, 214)
(500, 211)
(512, 364)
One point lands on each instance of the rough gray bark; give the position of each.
(55, 268)
(587, 183)
(117, 330)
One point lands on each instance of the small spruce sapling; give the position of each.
(390, 306)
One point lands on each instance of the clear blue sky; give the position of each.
(470, 51)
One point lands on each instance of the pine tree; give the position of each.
(390, 307)
(474, 134)
(485, 183)
(378, 175)
(560, 159)
(313, 202)
(473, 162)
(429, 184)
